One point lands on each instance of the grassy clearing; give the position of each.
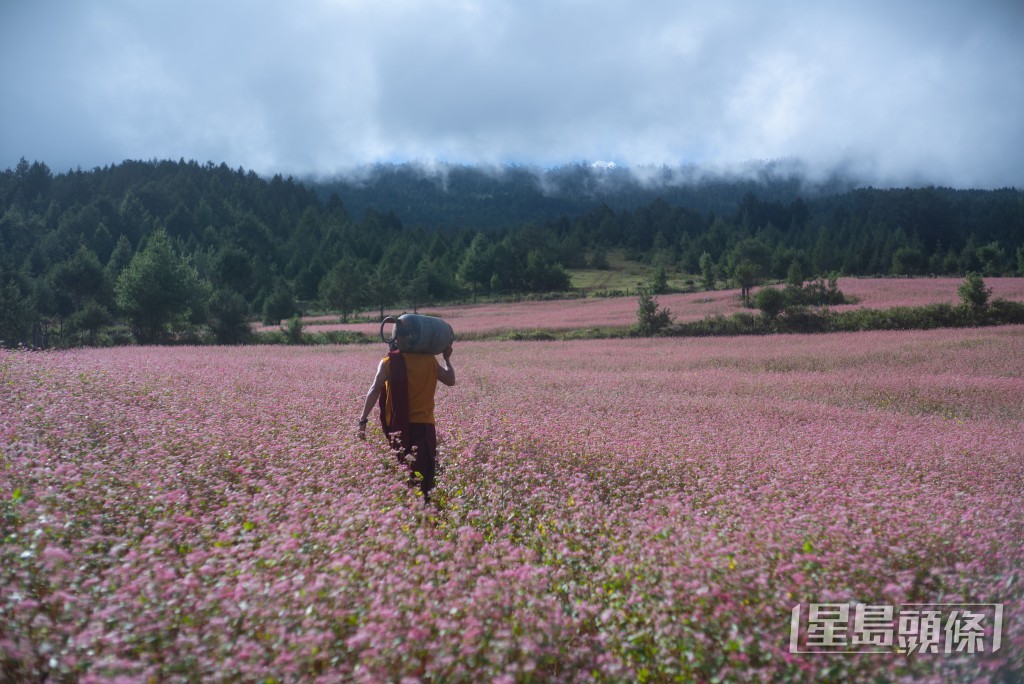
(624, 275)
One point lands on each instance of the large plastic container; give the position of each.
(427, 334)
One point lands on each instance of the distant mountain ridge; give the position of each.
(489, 198)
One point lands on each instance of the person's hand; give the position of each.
(447, 353)
(362, 428)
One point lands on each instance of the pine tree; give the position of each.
(158, 291)
(343, 289)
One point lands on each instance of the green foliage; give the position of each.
(973, 294)
(806, 320)
(477, 266)
(120, 257)
(659, 280)
(159, 292)
(293, 332)
(599, 260)
(17, 306)
(16, 315)
(417, 288)
(474, 233)
(795, 274)
(279, 305)
(746, 273)
(1003, 312)
(718, 325)
(233, 269)
(991, 258)
(770, 301)
(650, 318)
(707, 272)
(542, 274)
(344, 287)
(92, 318)
(816, 292)
(908, 261)
(229, 317)
(78, 284)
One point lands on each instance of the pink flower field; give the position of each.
(883, 293)
(607, 510)
(570, 314)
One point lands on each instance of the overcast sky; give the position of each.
(902, 91)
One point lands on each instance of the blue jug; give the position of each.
(426, 334)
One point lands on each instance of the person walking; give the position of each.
(404, 388)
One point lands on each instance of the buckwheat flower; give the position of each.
(892, 590)
(54, 557)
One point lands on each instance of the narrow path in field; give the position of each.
(602, 282)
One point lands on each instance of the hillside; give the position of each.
(459, 196)
(165, 251)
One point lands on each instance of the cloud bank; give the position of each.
(898, 93)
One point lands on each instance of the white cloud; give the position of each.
(912, 92)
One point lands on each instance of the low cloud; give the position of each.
(899, 93)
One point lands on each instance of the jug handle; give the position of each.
(389, 319)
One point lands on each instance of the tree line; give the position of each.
(159, 251)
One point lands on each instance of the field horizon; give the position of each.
(491, 318)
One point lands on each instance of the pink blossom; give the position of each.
(572, 314)
(604, 508)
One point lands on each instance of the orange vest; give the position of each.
(422, 372)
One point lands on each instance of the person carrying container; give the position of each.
(404, 388)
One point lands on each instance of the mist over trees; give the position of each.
(165, 251)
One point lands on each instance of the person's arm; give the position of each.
(372, 396)
(446, 374)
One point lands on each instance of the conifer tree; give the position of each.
(158, 291)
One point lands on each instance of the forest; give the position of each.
(178, 251)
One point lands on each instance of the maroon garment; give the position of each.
(418, 440)
(398, 389)
(423, 449)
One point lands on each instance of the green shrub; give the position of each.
(651, 319)
(770, 301)
(973, 293)
(1004, 312)
(817, 292)
(293, 331)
